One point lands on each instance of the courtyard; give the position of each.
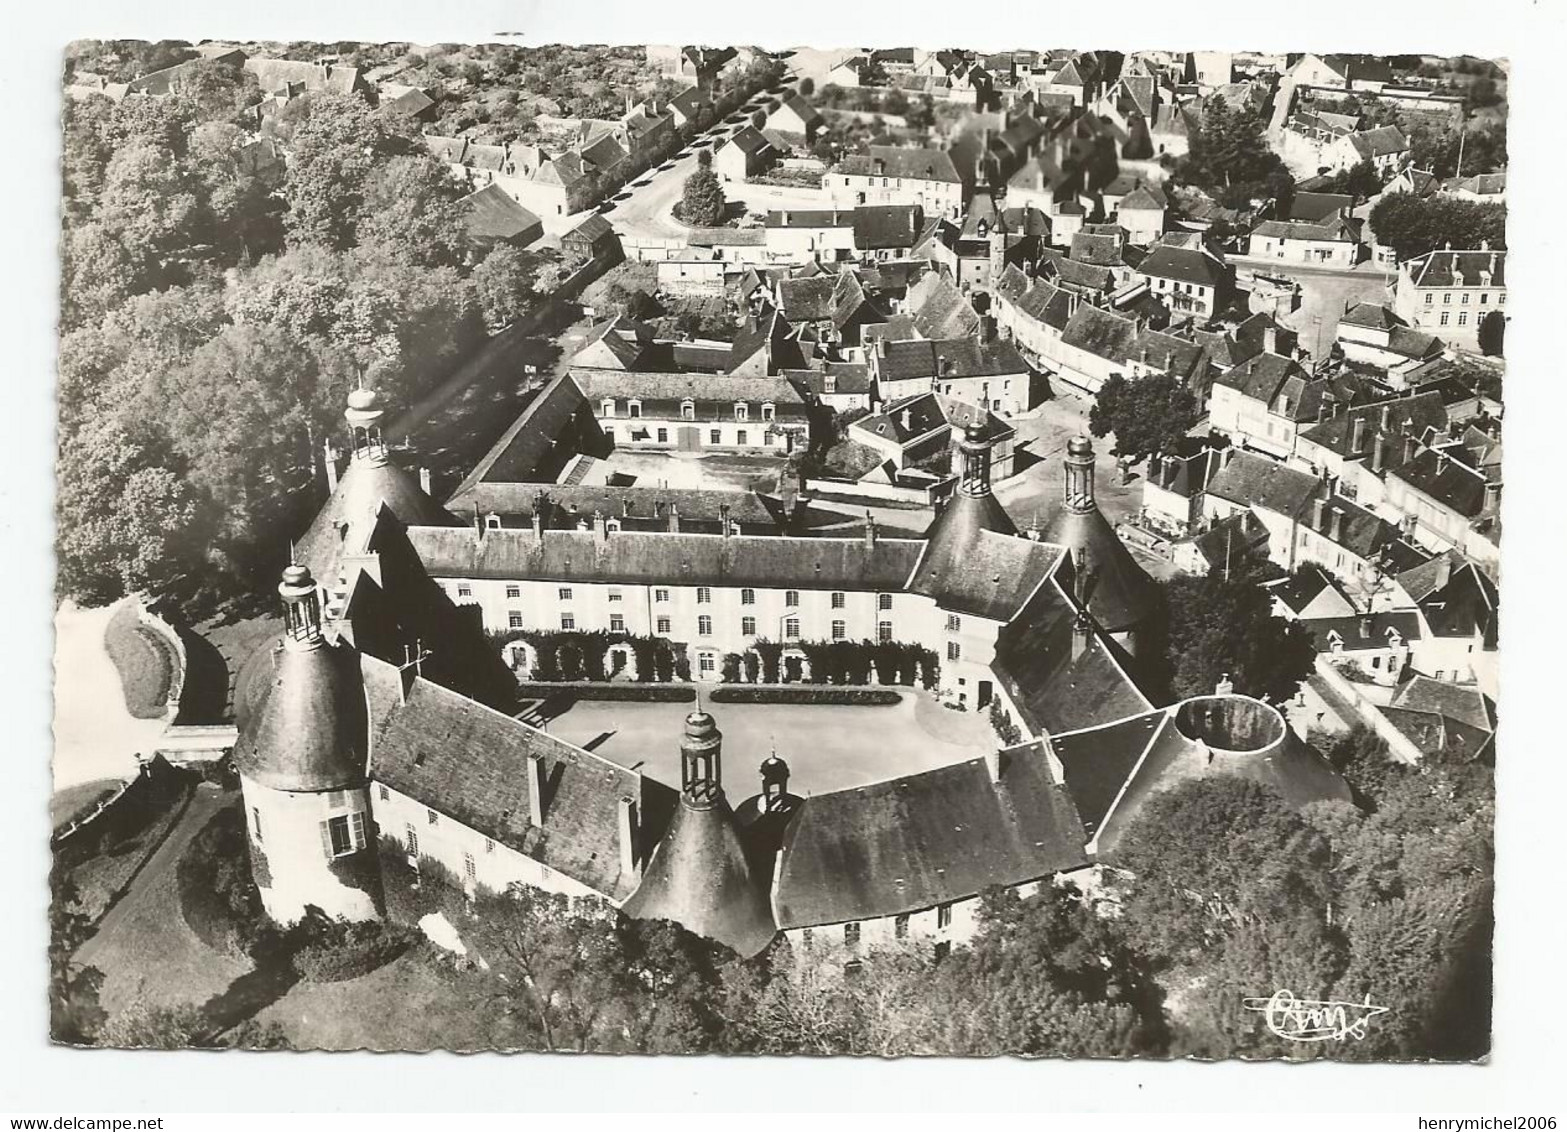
(827, 746)
(717, 472)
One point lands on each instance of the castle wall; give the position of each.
(293, 834)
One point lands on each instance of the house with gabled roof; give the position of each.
(1033, 313)
(1373, 334)
(796, 120)
(1453, 294)
(992, 375)
(1458, 606)
(1449, 493)
(1432, 721)
(745, 154)
(1188, 275)
(889, 174)
(1265, 401)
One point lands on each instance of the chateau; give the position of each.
(379, 722)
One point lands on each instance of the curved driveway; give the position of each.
(95, 736)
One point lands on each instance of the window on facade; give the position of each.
(489, 845)
(1463, 318)
(742, 411)
(806, 939)
(792, 628)
(431, 817)
(411, 835)
(513, 591)
(660, 595)
(513, 619)
(1444, 318)
(564, 593)
(715, 436)
(837, 599)
(748, 626)
(617, 622)
(704, 662)
(383, 793)
(609, 432)
(883, 601)
(470, 870)
(464, 589)
(954, 622)
(568, 621)
(635, 409)
(942, 949)
(343, 834)
(900, 926)
(1484, 298)
(704, 595)
(704, 626)
(1447, 298)
(840, 630)
(747, 597)
(255, 823)
(851, 935)
(663, 436)
(944, 915)
(1464, 298)
(791, 597)
(954, 650)
(884, 630)
(767, 411)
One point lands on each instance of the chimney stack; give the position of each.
(870, 531)
(424, 481)
(1357, 443)
(723, 519)
(600, 526)
(1411, 446)
(534, 768)
(1225, 686)
(1082, 632)
(628, 836)
(1336, 526)
(674, 519)
(1319, 505)
(1378, 454)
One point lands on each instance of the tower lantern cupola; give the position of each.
(363, 415)
(701, 761)
(974, 458)
(1080, 475)
(301, 608)
(775, 782)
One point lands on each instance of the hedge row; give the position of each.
(572, 655)
(659, 693)
(803, 694)
(332, 951)
(837, 662)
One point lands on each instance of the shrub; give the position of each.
(730, 669)
(218, 896)
(326, 950)
(654, 693)
(803, 694)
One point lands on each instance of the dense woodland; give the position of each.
(215, 312)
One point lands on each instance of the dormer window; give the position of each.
(492, 522)
(688, 410)
(742, 411)
(634, 408)
(608, 407)
(767, 410)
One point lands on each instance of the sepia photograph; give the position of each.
(958, 551)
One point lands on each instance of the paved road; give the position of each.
(95, 737)
(1324, 292)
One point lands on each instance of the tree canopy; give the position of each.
(1218, 627)
(702, 201)
(1412, 226)
(1147, 414)
(1229, 158)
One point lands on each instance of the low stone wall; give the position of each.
(163, 629)
(1397, 743)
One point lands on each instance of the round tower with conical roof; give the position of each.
(700, 875)
(301, 756)
(1117, 591)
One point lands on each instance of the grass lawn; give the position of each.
(416, 1002)
(144, 948)
(78, 801)
(228, 646)
(144, 660)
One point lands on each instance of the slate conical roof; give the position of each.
(300, 704)
(973, 508)
(699, 876)
(1119, 592)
